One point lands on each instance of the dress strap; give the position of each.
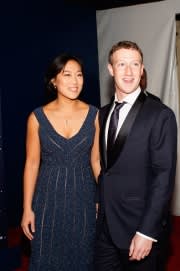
(39, 115)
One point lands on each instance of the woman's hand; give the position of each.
(28, 224)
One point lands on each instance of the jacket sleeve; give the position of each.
(163, 155)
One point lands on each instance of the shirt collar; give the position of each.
(130, 98)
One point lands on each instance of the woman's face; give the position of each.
(69, 81)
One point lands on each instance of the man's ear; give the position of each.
(142, 69)
(110, 69)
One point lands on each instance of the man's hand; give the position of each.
(140, 247)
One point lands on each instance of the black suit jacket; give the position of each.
(136, 182)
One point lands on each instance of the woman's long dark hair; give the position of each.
(54, 68)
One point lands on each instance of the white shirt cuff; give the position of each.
(145, 236)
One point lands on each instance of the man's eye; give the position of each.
(136, 64)
(121, 64)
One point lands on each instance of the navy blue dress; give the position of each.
(63, 202)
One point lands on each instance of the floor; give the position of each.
(173, 264)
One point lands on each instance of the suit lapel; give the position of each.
(125, 129)
(102, 119)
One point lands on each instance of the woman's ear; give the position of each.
(52, 81)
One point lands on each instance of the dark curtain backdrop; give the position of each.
(32, 33)
(3, 207)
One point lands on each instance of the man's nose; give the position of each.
(128, 70)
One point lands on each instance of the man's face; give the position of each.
(127, 69)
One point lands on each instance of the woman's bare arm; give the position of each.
(30, 175)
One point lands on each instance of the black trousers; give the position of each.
(108, 257)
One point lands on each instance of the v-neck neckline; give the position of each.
(60, 135)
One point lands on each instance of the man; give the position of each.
(138, 145)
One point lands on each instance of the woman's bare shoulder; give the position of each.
(50, 106)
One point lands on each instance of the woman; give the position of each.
(61, 166)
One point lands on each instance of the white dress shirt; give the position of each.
(129, 101)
